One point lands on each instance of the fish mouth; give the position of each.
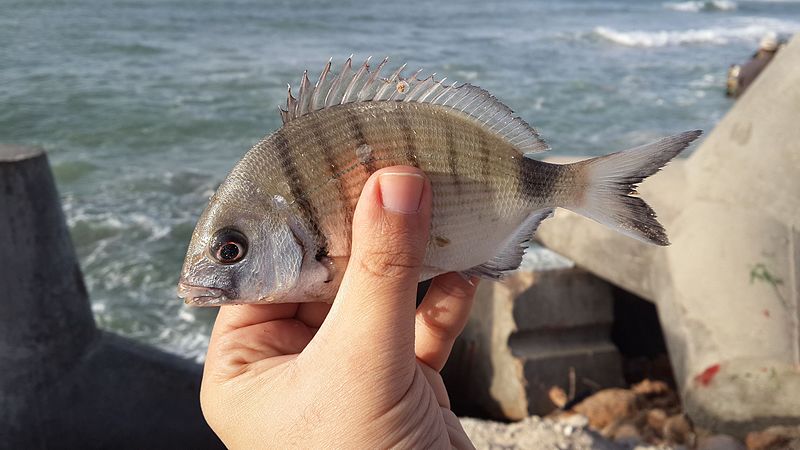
(200, 295)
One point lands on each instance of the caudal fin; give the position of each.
(612, 181)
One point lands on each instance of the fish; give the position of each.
(278, 229)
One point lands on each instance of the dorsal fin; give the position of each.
(365, 85)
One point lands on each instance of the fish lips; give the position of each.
(201, 295)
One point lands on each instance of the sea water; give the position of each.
(145, 106)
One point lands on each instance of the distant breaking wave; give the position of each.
(713, 36)
(699, 6)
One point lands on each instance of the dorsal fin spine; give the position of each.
(478, 99)
(364, 93)
(291, 102)
(480, 116)
(489, 119)
(318, 86)
(389, 83)
(461, 98)
(331, 96)
(509, 122)
(419, 88)
(447, 89)
(302, 105)
(432, 89)
(354, 82)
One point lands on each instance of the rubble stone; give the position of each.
(607, 407)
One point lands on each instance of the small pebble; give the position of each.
(627, 434)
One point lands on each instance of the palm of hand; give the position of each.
(269, 361)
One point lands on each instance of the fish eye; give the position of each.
(228, 246)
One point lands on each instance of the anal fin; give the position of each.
(509, 257)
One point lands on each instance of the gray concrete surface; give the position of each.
(728, 288)
(64, 383)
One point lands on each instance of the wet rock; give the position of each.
(607, 407)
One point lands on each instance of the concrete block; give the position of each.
(63, 382)
(529, 334)
(728, 289)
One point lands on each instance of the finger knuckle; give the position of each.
(438, 330)
(390, 262)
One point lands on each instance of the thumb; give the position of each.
(376, 301)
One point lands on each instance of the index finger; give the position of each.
(232, 317)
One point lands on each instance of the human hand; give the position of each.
(363, 373)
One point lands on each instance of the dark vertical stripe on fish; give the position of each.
(322, 143)
(317, 131)
(367, 160)
(452, 157)
(538, 180)
(408, 136)
(486, 164)
(298, 191)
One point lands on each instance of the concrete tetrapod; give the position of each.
(728, 288)
(63, 382)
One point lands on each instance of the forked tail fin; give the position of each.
(612, 179)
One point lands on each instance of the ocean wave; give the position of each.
(699, 6)
(715, 36)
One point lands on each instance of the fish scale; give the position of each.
(284, 214)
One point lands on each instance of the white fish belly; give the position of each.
(470, 222)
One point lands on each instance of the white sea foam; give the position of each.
(698, 6)
(714, 36)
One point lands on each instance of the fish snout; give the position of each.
(200, 295)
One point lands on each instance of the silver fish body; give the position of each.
(284, 213)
